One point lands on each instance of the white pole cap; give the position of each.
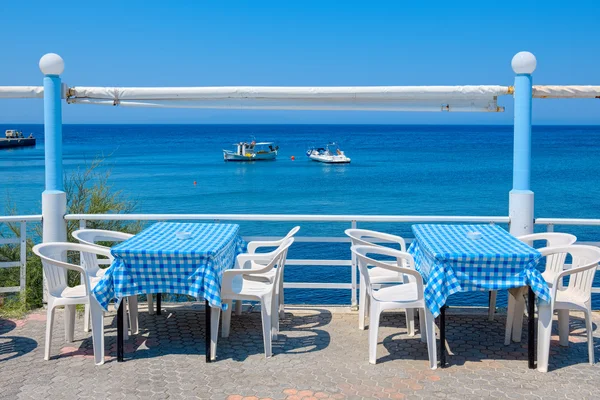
(524, 63)
(52, 64)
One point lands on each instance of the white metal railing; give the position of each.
(21, 240)
(353, 221)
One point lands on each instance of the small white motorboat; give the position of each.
(264, 151)
(330, 154)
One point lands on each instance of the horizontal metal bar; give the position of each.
(567, 221)
(10, 289)
(293, 285)
(10, 264)
(332, 263)
(301, 239)
(288, 217)
(20, 218)
(596, 290)
(10, 241)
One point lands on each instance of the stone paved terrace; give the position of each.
(320, 354)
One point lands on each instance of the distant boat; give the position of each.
(330, 154)
(263, 151)
(15, 138)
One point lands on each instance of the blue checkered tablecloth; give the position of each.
(451, 262)
(156, 261)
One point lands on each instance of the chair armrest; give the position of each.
(559, 278)
(242, 259)
(252, 246)
(230, 274)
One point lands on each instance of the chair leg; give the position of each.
(275, 318)
(431, 344)
(373, 331)
(214, 330)
(281, 299)
(590, 335)
(98, 330)
(49, 327)
(422, 325)
(563, 327)
(238, 307)
(86, 318)
(410, 321)
(510, 317)
(150, 303)
(492, 305)
(132, 304)
(362, 305)
(226, 319)
(544, 334)
(265, 310)
(517, 329)
(70, 322)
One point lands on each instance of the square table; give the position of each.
(450, 262)
(156, 261)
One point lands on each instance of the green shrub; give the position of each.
(89, 191)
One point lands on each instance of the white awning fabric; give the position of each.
(566, 92)
(21, 92)
(369, 98)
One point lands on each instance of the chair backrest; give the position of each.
(555, 262)
(280, 258)
(367, 237)
(552, 239)
(362, 253)
(92, 237)
(585, 260)
(55, 269)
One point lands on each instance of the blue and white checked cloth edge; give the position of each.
(156, 263)
(451, 263)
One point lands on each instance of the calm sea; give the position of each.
(412, 170)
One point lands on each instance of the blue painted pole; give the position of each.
(54, 199)
(53, 132)
(521, 199)
(522, 132)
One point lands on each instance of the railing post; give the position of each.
(550, 228)
(521, 200)
(23, 258)
(54, 199)
(354, 297)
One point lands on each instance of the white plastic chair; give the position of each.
(407, 295)
(576, 295)
(234, 286)
(379, 276)
(251, 249)
(92, 264)
(60, 294)
(554, 266)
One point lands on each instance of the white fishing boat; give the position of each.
(330, 154)
(263, 151)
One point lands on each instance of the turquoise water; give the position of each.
(418, 170)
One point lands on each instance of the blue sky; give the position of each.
(195, 43)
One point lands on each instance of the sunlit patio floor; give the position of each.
(319, 354)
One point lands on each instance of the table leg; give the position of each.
(531, 328)
(120, 331)
(208, 330)
(158, 301)
(442, 351)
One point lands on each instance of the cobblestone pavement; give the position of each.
(320, 354)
